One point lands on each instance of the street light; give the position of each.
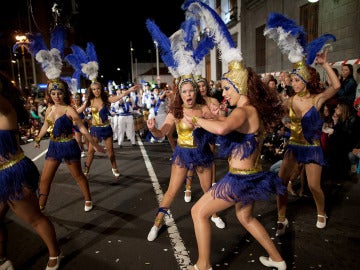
(22, 41)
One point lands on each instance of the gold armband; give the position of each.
(194, 120)
(37, 140)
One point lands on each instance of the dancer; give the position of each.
(306, 122)
(240, 136)
(19, 177)
(60, 117)
(192, 151)
(99, 101)
(59, 120)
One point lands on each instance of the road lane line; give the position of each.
(39, 156)
(180, 252)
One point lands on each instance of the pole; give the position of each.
(158, 80)
(24, 66)
(32, 58)
(132, 64)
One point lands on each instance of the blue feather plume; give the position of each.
(216, 29)
(36, 43)
(91, 52)
(276, 20)
(315, 46)
(164, 44)
(57, 39)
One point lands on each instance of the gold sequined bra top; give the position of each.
(96, 119)
(185, 135)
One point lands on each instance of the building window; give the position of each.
(309, 18)
(260, 44)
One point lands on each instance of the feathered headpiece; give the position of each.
(291, 40)
(216, 29)
(84, 62)
(50, 60)
(181, 52)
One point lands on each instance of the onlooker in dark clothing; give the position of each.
(347, 90)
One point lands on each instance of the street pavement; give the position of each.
(113, 235)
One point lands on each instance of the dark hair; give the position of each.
(313, 84)
(265, 100)
(103, 95)
(351, 75)
(12, 93)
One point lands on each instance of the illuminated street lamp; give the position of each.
(22, 42)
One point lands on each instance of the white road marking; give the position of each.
(39, 156)
(180, 252)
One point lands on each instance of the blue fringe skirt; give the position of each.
(68, 150)
(192, 157)
(248, 187)
(14, 178)
(101, 132)
(306, 153)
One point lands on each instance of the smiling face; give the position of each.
(188, 94)
(57, 96)
(96, 89)
(229, 92)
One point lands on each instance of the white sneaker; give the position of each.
(83, 154)
(218, 222)
(153, 233)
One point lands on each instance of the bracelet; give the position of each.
(194, 120)
(37, 140)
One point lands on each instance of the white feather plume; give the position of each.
(91, 69)
(287, 43)
(51, 62)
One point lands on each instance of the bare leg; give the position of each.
(27, 210)
(257, 230)
(313, 173)
(47, 176)
(80, 178)
(201, 212)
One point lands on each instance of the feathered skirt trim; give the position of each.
(247, 188)
(192, 157)
(68, 151)
(306, 153)
(102, 132)
(13, 179)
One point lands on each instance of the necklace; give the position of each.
(303, 94)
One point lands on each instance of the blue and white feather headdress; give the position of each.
(85, 63)
(217, 30)
(50, 59)
(291, 40)
(181, 52)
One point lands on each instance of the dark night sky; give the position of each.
(111, 29)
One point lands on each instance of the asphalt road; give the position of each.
(113, 235)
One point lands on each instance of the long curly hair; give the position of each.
(12, 93)
(313, 84)
(176, 107)
(103, 95)
(265, 100)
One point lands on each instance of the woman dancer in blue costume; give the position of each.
(19, 177)
(305, 120)
(100, 128)
(59, 120)
(191, 152)
(304, 143)
(240, 135)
